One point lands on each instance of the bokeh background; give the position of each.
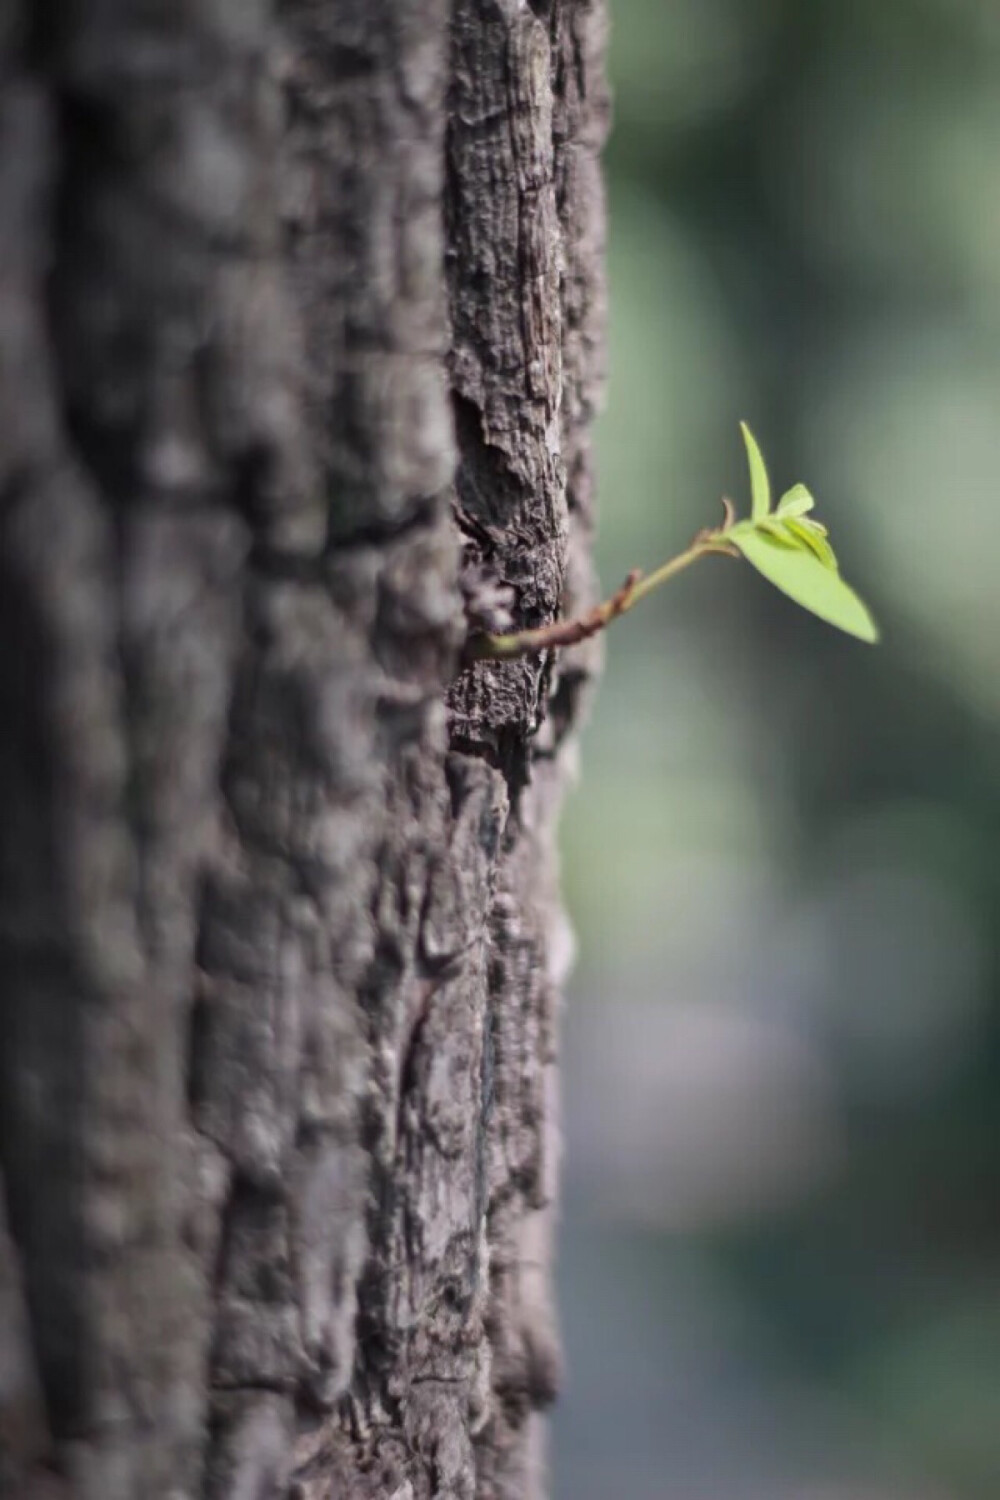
(780, 1258)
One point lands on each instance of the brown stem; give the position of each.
(569, 632)
(559, 633)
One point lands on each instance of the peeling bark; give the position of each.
(300, 338)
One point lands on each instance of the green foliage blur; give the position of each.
(780, 1262)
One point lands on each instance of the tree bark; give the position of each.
(300, 333)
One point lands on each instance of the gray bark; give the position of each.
(300, 315)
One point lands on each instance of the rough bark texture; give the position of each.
(299, 341)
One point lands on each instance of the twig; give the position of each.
(486, 647)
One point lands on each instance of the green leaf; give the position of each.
(805, 579)
(776, 530)
(795, 502)
(815, 539)
(760, 485)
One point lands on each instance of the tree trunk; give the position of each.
(299, 341)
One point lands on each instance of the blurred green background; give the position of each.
(780, 1257)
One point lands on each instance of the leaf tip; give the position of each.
(874, 634)
(760, 485)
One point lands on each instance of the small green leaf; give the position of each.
(760, 485)
(815, 540)
(776, 530)
(795, 502)
(802, 576)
